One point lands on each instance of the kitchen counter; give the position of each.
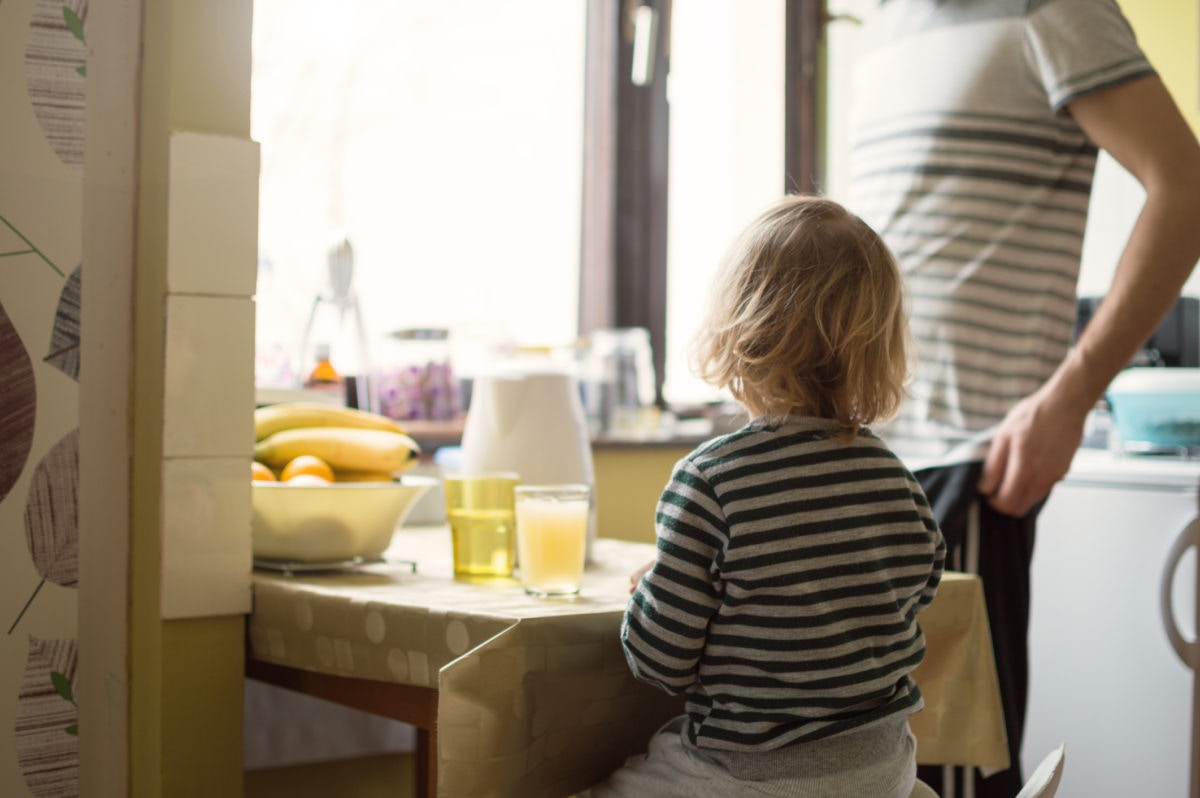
(1101, 466)
(432, 435)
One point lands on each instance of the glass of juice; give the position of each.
(482, 520)
(552, 524)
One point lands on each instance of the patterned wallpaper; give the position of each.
(43, 56)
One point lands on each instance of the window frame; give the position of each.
(623, 241)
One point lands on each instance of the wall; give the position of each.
(160, 551)
(629, 481)
(1167, 31)
(41, 181)
(165, 572)
(166, 430)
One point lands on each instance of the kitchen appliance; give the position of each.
(351, 355)
(530, 420)
(1115, 556)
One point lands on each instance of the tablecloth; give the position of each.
(535, 697)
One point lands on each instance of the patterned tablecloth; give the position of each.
(534, 696)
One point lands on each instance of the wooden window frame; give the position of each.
(623, 263)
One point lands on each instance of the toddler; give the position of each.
(795, 553)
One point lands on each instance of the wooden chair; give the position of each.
(1043, 783)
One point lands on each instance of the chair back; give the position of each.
(1044, 781)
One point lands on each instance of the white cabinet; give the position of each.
(1104, 678)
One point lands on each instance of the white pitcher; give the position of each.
(530, 421)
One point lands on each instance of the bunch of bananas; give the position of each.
(357, 445)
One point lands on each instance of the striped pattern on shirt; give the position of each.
(965, 162)
(784, 596)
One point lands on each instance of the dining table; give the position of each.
(513, 695)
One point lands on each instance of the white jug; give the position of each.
(531, 422)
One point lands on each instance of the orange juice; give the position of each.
(552, 524)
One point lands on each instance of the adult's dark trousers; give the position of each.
(999, 548)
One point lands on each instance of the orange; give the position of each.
(308, 479)
(260, 473)
(307, 464)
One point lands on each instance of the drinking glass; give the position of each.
(482, 520)
(552, 524)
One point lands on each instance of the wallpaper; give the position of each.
(43, 77)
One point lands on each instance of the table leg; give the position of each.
(403, 702)
(426, 763)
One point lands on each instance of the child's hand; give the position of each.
(637, 575)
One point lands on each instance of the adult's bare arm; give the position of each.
(1140, 126)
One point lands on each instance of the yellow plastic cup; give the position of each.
(480, 509)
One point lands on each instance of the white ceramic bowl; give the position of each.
(331, 523)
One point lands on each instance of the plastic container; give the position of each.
(1157, 410)
(414, 379)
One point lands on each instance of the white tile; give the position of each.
(206, 555)
(208, 406)
(212, 215)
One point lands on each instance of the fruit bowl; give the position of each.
(337, 522)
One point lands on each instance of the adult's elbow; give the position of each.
(1176, 182)
(1173, 201)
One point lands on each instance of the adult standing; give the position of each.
(977, 125)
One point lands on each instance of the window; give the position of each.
(444, 140)
(726, 95)
(497, 172)
(840, 43)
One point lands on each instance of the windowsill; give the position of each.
(433, 435)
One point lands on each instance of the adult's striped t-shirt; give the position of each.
(784, 597)
(968, 163)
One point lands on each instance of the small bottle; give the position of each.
(324, 378)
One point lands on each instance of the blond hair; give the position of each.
(806, 317)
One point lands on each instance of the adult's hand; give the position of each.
(1032, 451)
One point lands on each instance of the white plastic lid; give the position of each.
(1151, 380)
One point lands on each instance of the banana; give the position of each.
(344, 448)
(363, 476)
(289, 415)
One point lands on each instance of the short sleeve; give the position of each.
(1081, 46)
